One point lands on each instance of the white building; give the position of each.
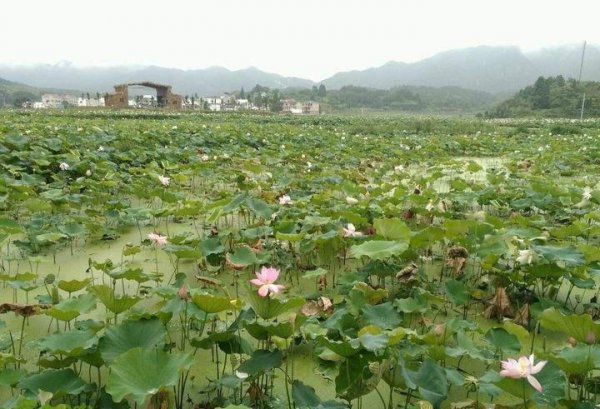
(90, 102)
(214, 103)
(243, 103)
(58, 100)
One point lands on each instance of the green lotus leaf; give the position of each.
(414, 304)
(211, 245)
(11, 377)
(345, 348)
(140, 373)
(72, 229)
(10, 226)
(259, 207)
(50, 237)
(261, 361)
(374, 342)
(268, 307)
(293, 237)
(304, 397)
(578, 359)
(71, 343)
(243, 256)
(570, 256)
(59, 382)
(378, 249)
(578, 326)
(432, 382)
(113, 303)
(502, 339)
(145, 333)
(183, 251)
(315, 273)
(72, 286)
(70, 308)
(392, 229)
(354, 379)
(257, 232)
(381, 315)
(213, 304)
(457, 292)
(260, 330)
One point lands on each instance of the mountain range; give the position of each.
(490, 69)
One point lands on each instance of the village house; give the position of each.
(90, 102)
(58, 100)
(307, 108)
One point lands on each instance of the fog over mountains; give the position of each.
(486, 68)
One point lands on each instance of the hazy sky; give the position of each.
(306, 38)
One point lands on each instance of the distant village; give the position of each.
(224, 103)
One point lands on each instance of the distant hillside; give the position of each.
(490, 69)
(403, 99)
(209, 81)
(14, 93)
(407, 98)
(552, 97)
(484, 68)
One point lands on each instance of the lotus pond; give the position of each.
(174, 260)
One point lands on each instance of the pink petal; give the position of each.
(271, 274)
(257, 282)
(540, 365)
(275, 288)
(274, 274)
(534, 382)
(510, 373)
(524, 362)
(261, 276)
(263, 291)
(510, 364)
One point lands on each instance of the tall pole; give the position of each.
(580, 72)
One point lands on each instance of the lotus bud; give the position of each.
(241, 375)
(183, 293)
(88, 173)
(374, 367)
(292, 319)
(572, 341)
(590, 338)
(438, 330)
(44, 396)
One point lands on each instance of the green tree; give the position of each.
(541, 93)
(275, 103)
(21, 97)
(322, 91)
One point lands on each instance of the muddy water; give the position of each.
(69, 267)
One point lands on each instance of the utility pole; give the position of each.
(580, 72)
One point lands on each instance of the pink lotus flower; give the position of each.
(264, 281)
(350, 231)
(523, 368)
(157, 239)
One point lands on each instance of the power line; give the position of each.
(580, 72)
